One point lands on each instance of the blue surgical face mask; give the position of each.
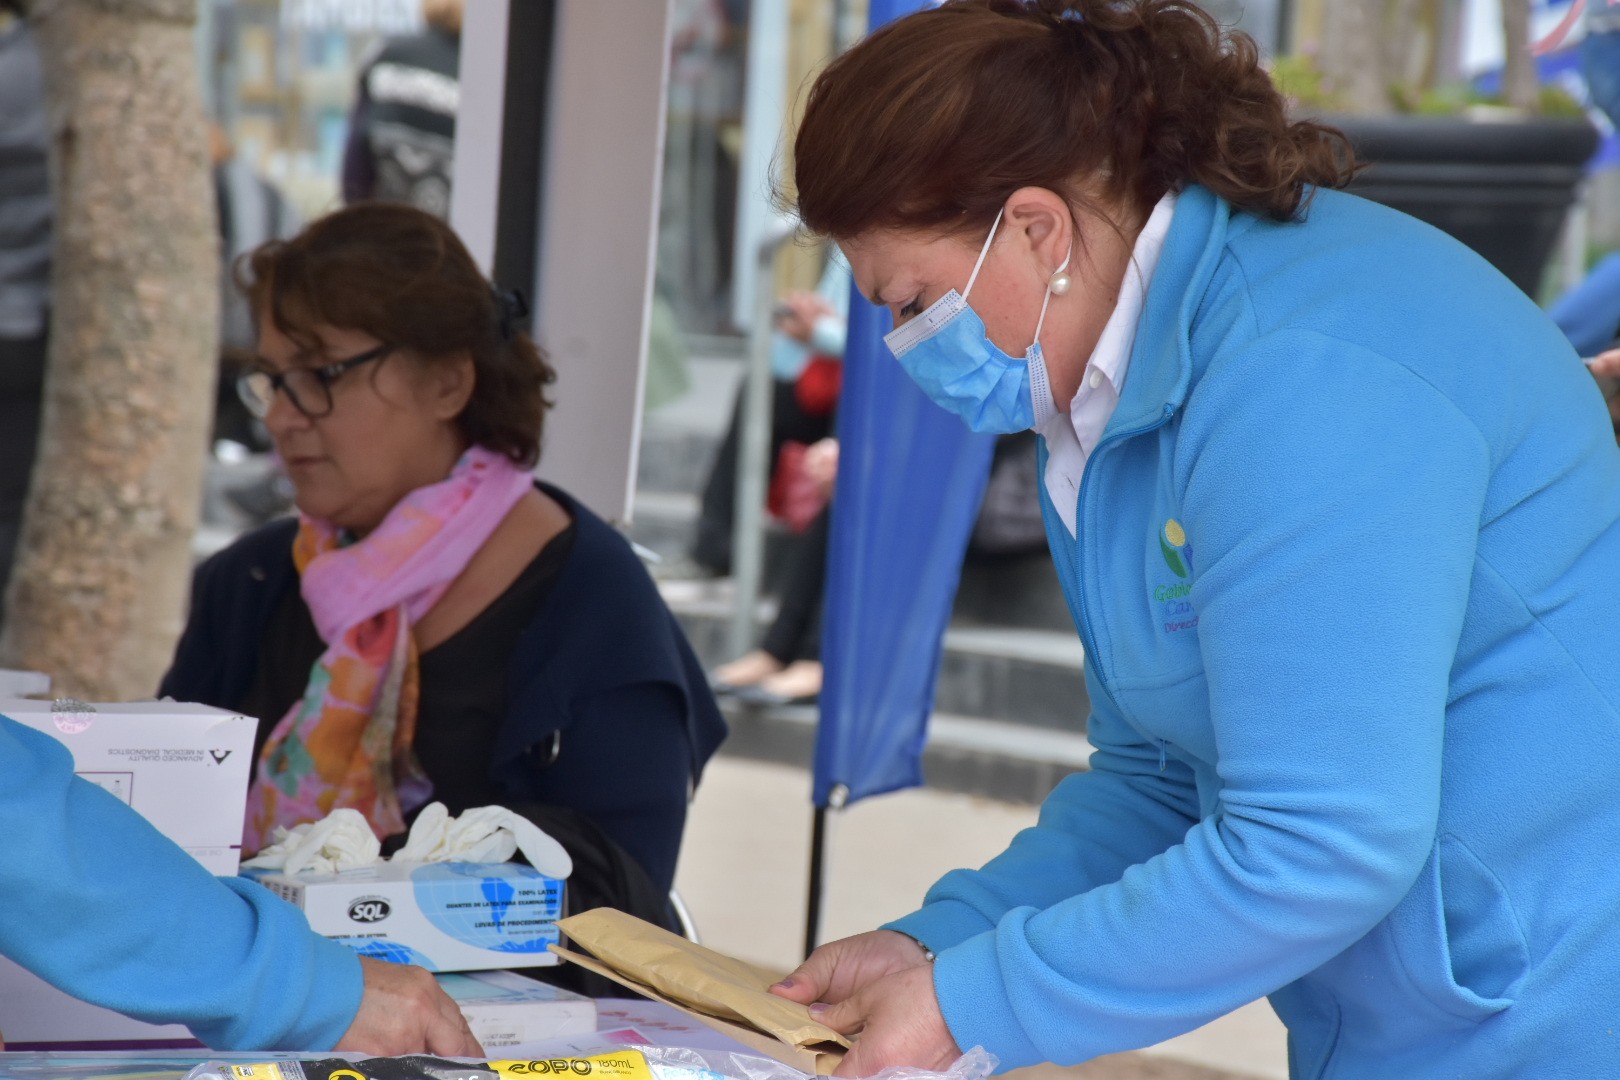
(946, 352)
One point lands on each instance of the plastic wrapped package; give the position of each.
(630, 1063)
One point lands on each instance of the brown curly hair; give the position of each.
(935, 119)
(402, 276)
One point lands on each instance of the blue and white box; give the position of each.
(450, 916)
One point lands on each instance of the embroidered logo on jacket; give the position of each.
(1173, 543)
(1175, 605)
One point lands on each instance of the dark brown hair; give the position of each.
(403, 276)
(934, 120)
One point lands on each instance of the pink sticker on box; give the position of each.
(72, 716)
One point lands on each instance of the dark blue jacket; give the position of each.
(603, 663)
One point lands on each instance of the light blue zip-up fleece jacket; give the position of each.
(1348, 579)
(96, 901)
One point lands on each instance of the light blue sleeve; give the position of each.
(1335, 534)
(98, 903)
(1132, 805)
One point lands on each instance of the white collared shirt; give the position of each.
(1070, 438)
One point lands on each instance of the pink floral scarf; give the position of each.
(348, 743)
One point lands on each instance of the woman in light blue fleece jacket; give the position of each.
(1337, 514)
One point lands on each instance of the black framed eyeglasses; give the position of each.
(308, 388)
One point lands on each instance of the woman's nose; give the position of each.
(283, 416)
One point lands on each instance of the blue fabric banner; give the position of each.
(910, 480)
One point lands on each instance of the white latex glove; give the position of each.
(342, 840)
(486, 834)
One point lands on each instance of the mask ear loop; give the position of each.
(1047, 299)
(984, 251)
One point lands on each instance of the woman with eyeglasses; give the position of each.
(434, 624)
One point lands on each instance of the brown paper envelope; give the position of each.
(701, 979)
(818, 1061)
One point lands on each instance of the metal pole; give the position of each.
(753, 450)
(836, 799)
(1285, 27)
(1572, 249)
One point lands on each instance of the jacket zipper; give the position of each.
(1087, 639)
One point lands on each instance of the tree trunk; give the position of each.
(99, 588)
(1351, 58)
(1400, 43)
(1519, 84)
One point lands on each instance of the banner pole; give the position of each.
(818, 852)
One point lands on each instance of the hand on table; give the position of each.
(879, 987)
(403, 1011)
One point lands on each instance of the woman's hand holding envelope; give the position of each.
(877, 987)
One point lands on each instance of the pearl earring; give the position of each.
(1059, 283)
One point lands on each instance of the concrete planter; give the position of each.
(1502, 187)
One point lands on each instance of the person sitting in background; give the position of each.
(434, 624)
(786, 667)
(807, 351)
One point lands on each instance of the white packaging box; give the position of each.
(37, 1016)
(506, 1009)
(16, 683)
(450, 916)
(184, 768)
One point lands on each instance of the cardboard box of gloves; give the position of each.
(449, 900)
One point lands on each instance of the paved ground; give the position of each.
(743, 874)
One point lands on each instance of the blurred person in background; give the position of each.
(402, 131)
(1600, 57)
(1589, 311)
(25, 271)
(807, 352)
(786, 668)
(252, 211)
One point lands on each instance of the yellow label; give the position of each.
(264, 1070)
(620, 1065)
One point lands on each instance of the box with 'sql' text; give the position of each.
(449, 916)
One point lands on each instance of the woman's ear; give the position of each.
(450, 384)
(1041, 219)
